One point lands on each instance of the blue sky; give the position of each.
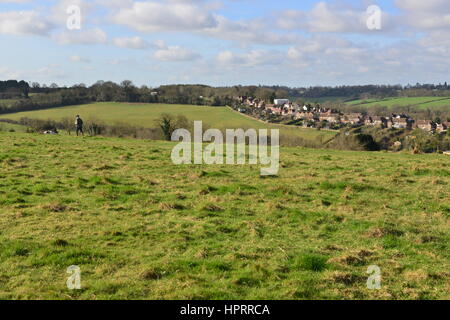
(226, 42)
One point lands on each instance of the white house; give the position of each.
(280, 102)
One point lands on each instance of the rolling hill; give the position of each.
(144, 115)
(419, 102)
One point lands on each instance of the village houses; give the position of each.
(311, 114)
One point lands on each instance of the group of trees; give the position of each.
(53, 99)
(38, 96)
(44, 96)
(12, 89)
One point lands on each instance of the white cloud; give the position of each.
(23, 23)
(429, 14)
(84, 36)
(115, 4)
(251, 58)
(51, 71)
(330, 18)
(421, 5)
(76, 58)
(175, 53)
(131, 43)
(7, 74)
(165, 16)
(249, 32)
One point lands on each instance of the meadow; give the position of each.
(144, 115)
(12, 127)
(7, 102)
(140, 227)
(321, 99)
(419, 102)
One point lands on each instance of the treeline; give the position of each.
(39, 96)
(349, 92)
(54, 99)
(373, 91)
(12, 89)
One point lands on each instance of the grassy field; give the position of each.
(321, 100)
(7, 102)
(421, 102)
(140, 227)
(12, 127)
(144, 115)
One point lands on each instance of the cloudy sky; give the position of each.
(226, 42)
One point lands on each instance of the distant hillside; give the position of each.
(419, 102)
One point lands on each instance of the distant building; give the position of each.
(331, 118)
(442, 127)
(426, 125)
(353, 118)
(306, 116)
(399, 123)
(275, 109)
(280, 102)
(377, 121)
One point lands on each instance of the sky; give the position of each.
(295, 43)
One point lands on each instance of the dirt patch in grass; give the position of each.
(152, 274)
(56, 207)
(347, 278)
(213, 208)
(382, 232)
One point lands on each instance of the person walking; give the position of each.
(79, 125)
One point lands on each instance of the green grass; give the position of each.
(143, 115)
(421, 102)
(358, 102)
(12, 127)
(7, 102)
(140, 227)
(322, 99)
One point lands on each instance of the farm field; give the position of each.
(421, 102)
(140, 227)
(322, 99)
(144, 115)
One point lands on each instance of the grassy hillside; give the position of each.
(143, 115)
(7, 102)
(140, 227)
(12, 127)
(322, 99)
(421, 102)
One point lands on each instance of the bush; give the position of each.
(169, 123)
(355, 140)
